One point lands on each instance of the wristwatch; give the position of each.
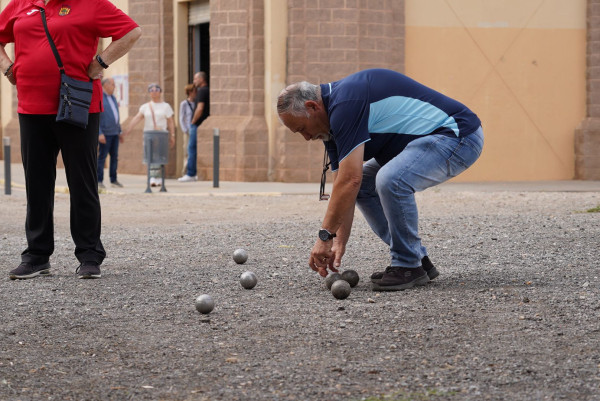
(325, 235)
(101, 62)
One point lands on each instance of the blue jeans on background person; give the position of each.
(111, 147)
(192, 151)
(387, 194)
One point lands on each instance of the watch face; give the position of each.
(324, 235)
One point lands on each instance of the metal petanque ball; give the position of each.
(248, 280)
(205, 304)
(240, 256)
(331, 278)
(351, 276)
(340, 289)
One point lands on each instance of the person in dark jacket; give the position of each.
(109, 134)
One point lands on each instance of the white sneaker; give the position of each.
(187, 178)
(155, 182)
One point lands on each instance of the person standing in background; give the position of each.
(157, 115)
(109, 134)
(186, 112)
(200, 114)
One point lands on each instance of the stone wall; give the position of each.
(236, 93)
(329, 39)
(150, 60)
(587, 135)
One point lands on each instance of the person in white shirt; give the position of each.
(157, 116)
(186, 112)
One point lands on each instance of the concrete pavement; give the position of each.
(137, 184)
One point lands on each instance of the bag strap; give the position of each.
(153, 118)
(52, 45)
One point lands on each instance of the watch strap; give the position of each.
(101, 62)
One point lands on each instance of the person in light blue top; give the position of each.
(109, 134)
(387, 136)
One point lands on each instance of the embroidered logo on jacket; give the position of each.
(33, 10)
(64, 10)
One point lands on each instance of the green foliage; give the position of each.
(594, 209)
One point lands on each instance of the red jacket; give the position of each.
(75, 26)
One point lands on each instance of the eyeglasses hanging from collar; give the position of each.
(326, 163)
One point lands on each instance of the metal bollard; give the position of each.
(149, 145)
(7, 184)
(216, 158)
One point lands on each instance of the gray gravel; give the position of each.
(514, 314)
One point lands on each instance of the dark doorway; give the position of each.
(199, 51)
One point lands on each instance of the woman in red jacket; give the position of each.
(75, 27)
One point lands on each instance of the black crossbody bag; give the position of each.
(75, 96)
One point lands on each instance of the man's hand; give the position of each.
(340, 213)
(322, 257)
(338, 249)
(102, 139)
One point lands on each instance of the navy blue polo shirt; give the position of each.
(386, 110)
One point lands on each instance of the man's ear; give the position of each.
(311, 105)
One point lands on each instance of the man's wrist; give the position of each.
(325, 235)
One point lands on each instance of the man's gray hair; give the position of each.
(291, 99)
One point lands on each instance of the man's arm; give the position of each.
(340, 210)
(198, 112)
(342, 234)
(345, 189)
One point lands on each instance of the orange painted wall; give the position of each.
(519, 64)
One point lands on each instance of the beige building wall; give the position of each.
(587, 134)
(150, 60)
(237, 93)
(520, 65)
(328, 40)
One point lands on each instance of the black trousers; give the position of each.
(41, 140)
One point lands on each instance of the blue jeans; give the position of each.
(111, 147)
(192, 151)
(387, 194)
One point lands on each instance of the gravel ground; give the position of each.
(514, 314)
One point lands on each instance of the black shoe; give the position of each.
(429, 268)
(398, 278)
(88, 270)
(28, 270)
(425, 263)
(117, 184)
